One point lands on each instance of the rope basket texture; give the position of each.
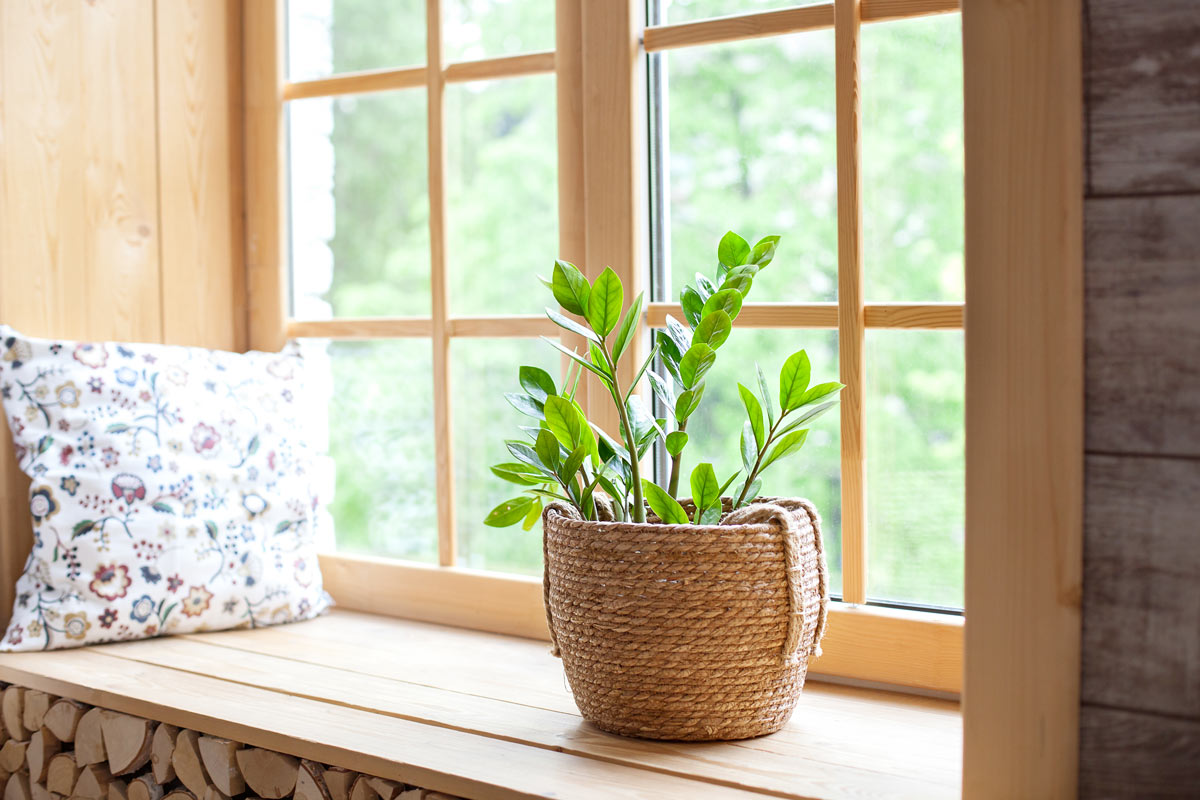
(687, 632)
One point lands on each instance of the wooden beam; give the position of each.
(1024, 397)
(913, 316)
(377, 80)
(851, 314)
(507, 67)
(361, 328)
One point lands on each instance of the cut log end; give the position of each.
(43, 746)
(61, 774)
(145, 787)
(12, 756)
(220, 761)
(161, 750)
(63, 718)
(89, 739)
(93, 782)
(17, 787)
(127, 742)
(118, 790)
(362, 789)
(338, 781)
(36, 705)
(179, 794)
(310, 782)
(187, 763)
(271, 775)
(12, 711)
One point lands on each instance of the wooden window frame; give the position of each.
(1024, 279)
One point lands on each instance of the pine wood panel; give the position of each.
(397, 749)
(376, 80)
(1141, 572)
(1024, 397)
(200, 150)
(1129, 754)
(1143, 73)
(1143, 337)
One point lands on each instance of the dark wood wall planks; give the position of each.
(1140, 720)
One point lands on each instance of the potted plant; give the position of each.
(676, 618)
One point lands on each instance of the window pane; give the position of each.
(750, 131)
(715, 429)
(475, 29)
(381, 440)
(483, 371)
(359, 206)
(915, 466)
(331, 36)
(690, 10)
(912, 97)
(502, 194)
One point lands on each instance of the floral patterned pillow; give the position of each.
(172, 490)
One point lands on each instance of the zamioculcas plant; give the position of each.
(566, 458)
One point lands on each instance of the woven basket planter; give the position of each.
(687, 632)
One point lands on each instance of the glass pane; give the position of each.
(475, 29)
(359, 206)
(381, 440)
(912, 97)
(691, 10)
(750, 131)
(915, 466)
(502, 193)
(483, 371)
(332, 36)
(715, 429)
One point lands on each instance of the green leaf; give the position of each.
(527, 455)
(713, 330)
(160, 506)
(786, 445)
(752, 492)
(628, 326)
(598, 359)
(706, 287)
(733, 250)
(525, 404)
(669, 351)
(697, 361)
(725, 486)
(742, 283)
(534, 513)
(537, 382)
(564, 421)
(517, 473)
(82, 527)
(820, 391)
(510, 512)
(666, 507)
(642, 421)
(705, 489)
(749, 453)
(680, 335)
(661, 388)
(676, 441)
(573, 463)
(711, 515)
(570, 288)
(764, 251)
(693, 305)
(578, 359)
(638, 377)
(808, 416)
(605, 302)
(793, 380)
(688, 402)
(766, 393)
(727, 300)
(755, 413)
(571, 325)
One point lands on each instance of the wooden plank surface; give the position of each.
(1024, 399)
(1130, 755)
(398, 749)
(200, 155)
(1141, 635)
(1143, 89)
(1143, 333)
(366, 676)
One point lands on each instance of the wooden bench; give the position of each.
(487, 716)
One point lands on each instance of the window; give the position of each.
(438, 154)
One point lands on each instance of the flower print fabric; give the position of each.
(173, 490)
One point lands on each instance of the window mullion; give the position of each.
(435, 82)
(851, 311)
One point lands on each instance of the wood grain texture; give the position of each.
(851, 320)
(1143, 325)
(1141, 604)
(200, 151)
(1130, 754)
(1024, 397)
(378, 80)
(1143, 90)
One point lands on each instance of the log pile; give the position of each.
(57, 749)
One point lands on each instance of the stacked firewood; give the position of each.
(57, 749)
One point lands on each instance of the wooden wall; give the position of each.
(120, 185)
(1140, 720)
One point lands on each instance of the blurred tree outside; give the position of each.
(750, 146)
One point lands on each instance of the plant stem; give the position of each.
(637, 511)
(676, 461)
(768, 440)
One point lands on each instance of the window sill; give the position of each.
(488, 716)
